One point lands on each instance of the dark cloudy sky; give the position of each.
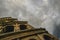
(39, 13)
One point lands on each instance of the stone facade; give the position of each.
(12, 29)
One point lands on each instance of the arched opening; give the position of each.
(9, 29)
(14, 39)
(32, 39)
(23, 27)
(46, 37)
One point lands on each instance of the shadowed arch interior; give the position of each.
(9, 29)
(23, 27)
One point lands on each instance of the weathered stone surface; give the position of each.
(20, 30)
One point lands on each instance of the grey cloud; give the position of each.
(39, 13)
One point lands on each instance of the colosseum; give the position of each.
(12, 29)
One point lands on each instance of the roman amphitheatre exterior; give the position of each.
(12, 29)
